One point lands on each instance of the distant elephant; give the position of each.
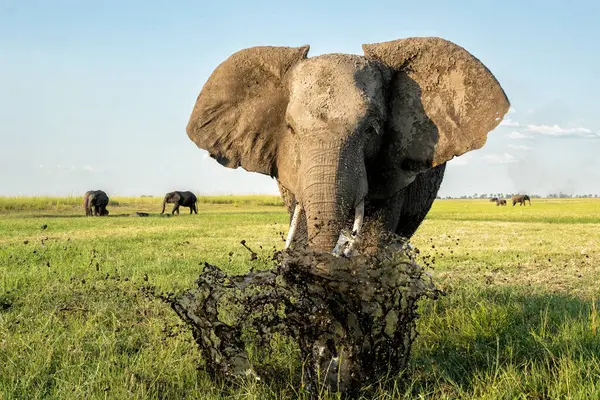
(185, 199)
(95, 202)
(493, 199)
(349, 138)
(520, 199)
(500, 202)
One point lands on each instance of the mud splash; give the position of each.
(353, 319)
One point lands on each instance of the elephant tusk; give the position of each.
(359, 217)
(293, 225)
(345, 244)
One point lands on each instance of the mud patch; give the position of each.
(353, 319)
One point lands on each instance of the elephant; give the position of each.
(95, 202)
(493, 199)
(500, 202)
(179, 198)
(520, 199)
(349, 138)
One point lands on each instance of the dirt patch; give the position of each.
(353, 318)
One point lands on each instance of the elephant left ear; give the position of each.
(443, 100)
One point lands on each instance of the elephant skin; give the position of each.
(521, 199)
(180, 199)
(349, 137)
(95, 202)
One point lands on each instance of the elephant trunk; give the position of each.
(331, 188)
(164, 204)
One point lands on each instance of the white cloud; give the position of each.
(462, 160)
(89, 168)
(519, 147)
(505, 158)
(511, 110)
(557, 131)
(509, 122)
(518, 135)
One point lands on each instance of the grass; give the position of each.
(73, 204)
(520, 319)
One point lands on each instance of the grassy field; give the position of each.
(520, 319)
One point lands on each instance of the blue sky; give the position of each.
(98, 94)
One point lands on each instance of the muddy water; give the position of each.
(353, 318)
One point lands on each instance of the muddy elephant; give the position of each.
(500, 202)
(520, 199)
(349, 138)
(180, 199)
(95, 202)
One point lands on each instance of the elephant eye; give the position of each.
(371, 131)
(290, 129)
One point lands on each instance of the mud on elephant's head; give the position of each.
(338, 129)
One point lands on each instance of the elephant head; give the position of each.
(338, 130)
(171, 197)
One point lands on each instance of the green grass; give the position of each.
(521, 317)
(74, 204)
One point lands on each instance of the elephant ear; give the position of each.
(240, 112)
(442, 102)
(175, 197)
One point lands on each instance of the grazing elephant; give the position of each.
(520, 199)
(95, 202)
(349, 137)
(185, 199)
(500, 202)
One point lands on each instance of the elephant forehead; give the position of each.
(334, 88)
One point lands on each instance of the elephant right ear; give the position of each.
(240, 112)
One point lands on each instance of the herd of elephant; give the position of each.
(95, 202)
(521, 199)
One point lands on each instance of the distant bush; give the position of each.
(39, 203)
(254, 200)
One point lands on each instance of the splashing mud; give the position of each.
(353, 318)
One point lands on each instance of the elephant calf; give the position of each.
(95, 202)
(178, 198)
(500, 202)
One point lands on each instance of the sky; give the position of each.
(97, 94)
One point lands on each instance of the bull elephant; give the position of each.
(500, 202)
(520, 199)
(349, 138)
(95, 202)
(180, 199)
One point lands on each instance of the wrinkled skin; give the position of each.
(95, 202)
(342, 131)
(180, 199)
(521, 199)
